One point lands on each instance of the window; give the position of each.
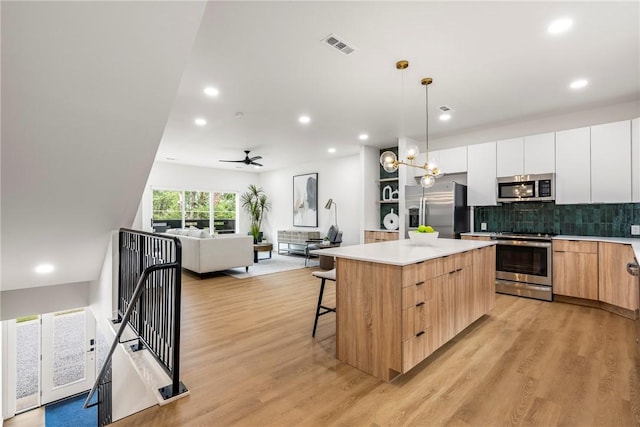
(167, 208)
(197, 209)
(224, 212)
(201, 209)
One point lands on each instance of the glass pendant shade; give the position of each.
(412, 152)
(389, 167)
(427, 181)
(389, 161)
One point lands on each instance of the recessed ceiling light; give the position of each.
(363, 137)
(44, 268)
(578, 84)
(211, 91)
(257, 167)
(331, 150)
(445, 116)
(200, 122)
(559, 26)
(304, 119)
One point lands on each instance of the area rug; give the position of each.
(70, 412)
(276, 264)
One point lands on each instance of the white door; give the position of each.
(68, 354)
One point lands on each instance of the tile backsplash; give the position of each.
(607, 220)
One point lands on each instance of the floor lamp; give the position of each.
(328, 206)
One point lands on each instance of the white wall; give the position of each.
(181, 177)
(87, 89)
(340, 180)
(44, 299)
(587, 117)
(103, 292)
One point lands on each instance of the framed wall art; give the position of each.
(305, 200)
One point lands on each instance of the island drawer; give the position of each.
(457, 261)
(421, 271)
(415, 349)
(421, 291)
(416, 319)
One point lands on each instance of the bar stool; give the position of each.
(324, 275)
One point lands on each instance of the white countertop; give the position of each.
(402, 252)
(633, 241)
(384, 230)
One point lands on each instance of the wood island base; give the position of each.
(391, 317)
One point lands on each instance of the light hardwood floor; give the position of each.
(249, 360)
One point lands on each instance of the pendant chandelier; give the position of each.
(390, 161)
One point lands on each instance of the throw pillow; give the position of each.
(204, 235)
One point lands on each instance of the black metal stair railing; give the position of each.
(105, 412)
(149, 298)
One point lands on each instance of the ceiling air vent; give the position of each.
(339, 43)
(445, 109)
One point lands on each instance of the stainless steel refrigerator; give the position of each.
(443, 206)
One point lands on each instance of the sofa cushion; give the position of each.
(202, 234)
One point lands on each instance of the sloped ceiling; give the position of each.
(86, 91)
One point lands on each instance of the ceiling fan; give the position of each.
(247, 160)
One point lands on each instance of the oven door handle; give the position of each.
(524, 243)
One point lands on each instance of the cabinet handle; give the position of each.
(419, 304)
(419, 333)
(420, 283)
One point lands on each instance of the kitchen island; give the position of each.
(397, 302)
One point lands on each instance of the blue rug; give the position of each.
(70, 413)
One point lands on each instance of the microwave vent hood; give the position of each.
(526, 188)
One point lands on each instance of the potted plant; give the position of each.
(256, 203)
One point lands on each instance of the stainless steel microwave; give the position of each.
(526, 188)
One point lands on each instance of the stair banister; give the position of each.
(136, 295)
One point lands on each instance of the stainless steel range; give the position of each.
(524, 265)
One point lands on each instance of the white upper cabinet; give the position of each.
(450, 160)
(540, 153)
(533, 154)
(573, 166)
(481, 174)
(635, 160)
(510, 157)
(611, 163)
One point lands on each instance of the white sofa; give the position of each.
(207, 254)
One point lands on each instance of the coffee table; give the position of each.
(261, 247)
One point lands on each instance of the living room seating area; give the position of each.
(202, 253)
